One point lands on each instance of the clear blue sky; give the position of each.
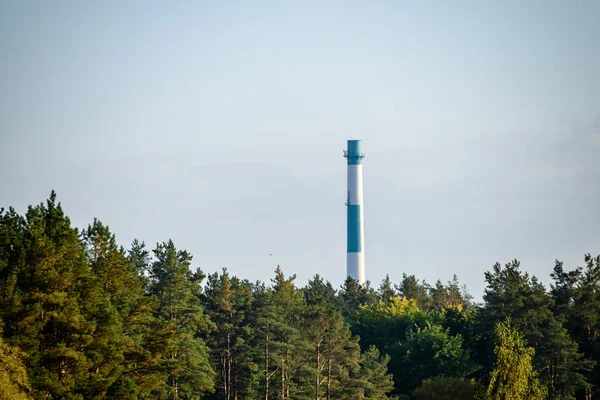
(221, 125)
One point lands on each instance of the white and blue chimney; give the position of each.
(354, 204)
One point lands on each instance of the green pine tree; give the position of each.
(412, 288)
(576, 297)
(48, 282)
(352, 295)
(228, 302)
(186, 359)
(386, 291)
(123, 319)
(372, 380)
(512, 293)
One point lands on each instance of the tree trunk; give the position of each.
(228, 374)
(283, 379)
(267, 368)
(224, 375)
(287, 379)
(318, 372)
(328, 371)
(235, 385)
(175, 381)
(176, 387)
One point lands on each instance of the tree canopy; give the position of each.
(83, 317)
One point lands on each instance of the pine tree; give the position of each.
(46, 273)
(353, 295)
(386, 291)
(511, 293)
(186, 359)
(294, 371)
(372, 380)
(342, 352)
(228, 301)
(12, 260)
(450, 295)
(123, 317)
(411, 288)
(139, 256)
(577, 302)
(334, 354)
(319, 292)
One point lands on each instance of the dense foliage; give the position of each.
(84, 318)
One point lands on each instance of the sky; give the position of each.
(221, 125)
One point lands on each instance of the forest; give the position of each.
(82, 317)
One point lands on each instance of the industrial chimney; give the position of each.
(354, 203)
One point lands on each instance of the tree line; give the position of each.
(83, 318)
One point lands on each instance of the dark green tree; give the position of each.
(228, 302)
(295, 372)
(449, 295)
(46, 278)
(122, 312)
(576, 297)
(352, 295)
(320, 292)
(512, 293)
(140, 257)
(372, 381)
(447, 388)
(426, 353)
(412, 288)
(285, 369)
(386, 290)
(334, 354)
(186, 360)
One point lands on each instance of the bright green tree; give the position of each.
(513, 376)
(14, 383)
(383, 324)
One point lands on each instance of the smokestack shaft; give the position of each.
(355, 219)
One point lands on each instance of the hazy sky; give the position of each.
(221, 125)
